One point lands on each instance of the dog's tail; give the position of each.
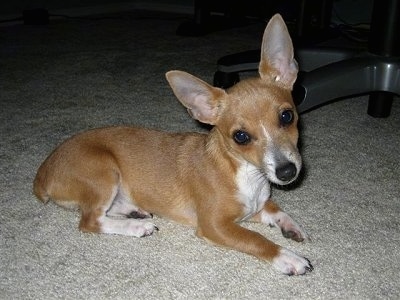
(39, 185)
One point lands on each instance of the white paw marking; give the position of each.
(290, 263)
(129, 227)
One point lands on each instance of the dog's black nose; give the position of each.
(286, 172)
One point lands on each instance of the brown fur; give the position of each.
(191, 178)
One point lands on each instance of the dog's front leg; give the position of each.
(225, 232)
(272, 215)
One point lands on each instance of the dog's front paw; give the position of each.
(290, 229)
(294, 234)
(290, 263)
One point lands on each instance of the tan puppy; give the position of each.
(119, 176)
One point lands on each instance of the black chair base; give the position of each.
(328, 73)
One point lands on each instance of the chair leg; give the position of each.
(380, 104)
(360, 75)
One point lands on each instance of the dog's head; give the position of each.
(256, 118)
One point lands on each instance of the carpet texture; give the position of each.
(77, 74)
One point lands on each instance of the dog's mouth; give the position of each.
(281, 183)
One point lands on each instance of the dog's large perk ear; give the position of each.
(277, 57)
(200, 98)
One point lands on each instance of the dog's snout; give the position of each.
(286, 172)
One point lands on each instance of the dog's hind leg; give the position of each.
(122, 206)
(107, 218)
(97, 221)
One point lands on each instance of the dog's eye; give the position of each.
(286, 117)
(241, 137)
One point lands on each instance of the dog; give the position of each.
(120, 176)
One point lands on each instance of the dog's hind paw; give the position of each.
(145, 229)
(130, 227)
(290, 263)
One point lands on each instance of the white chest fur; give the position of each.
(253, 189)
